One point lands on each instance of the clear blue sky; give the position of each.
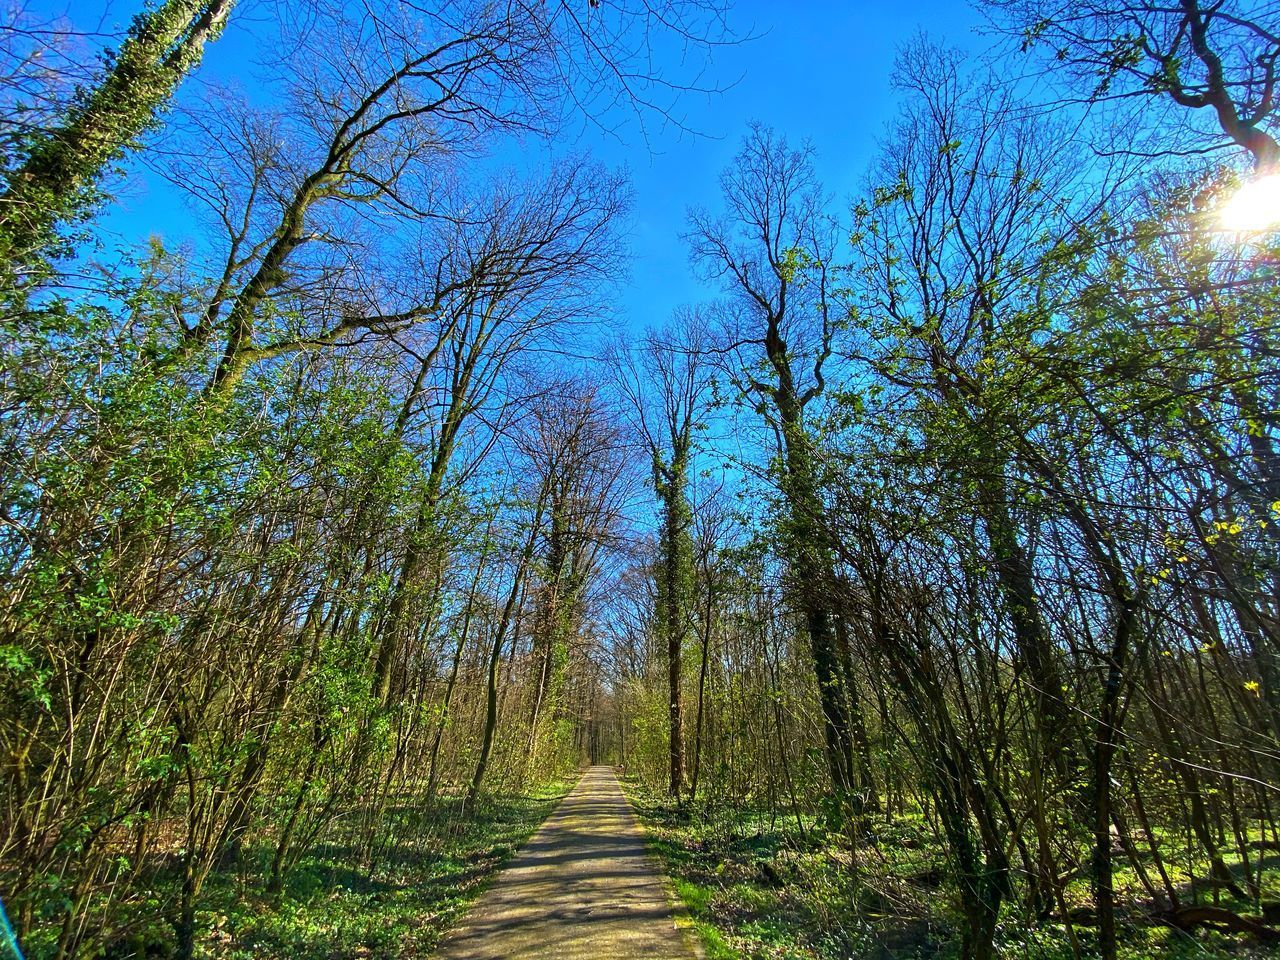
(818, 71)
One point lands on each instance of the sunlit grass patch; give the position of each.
(330, 907)
(760, 886)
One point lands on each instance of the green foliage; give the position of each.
(974, 654)
(59, 170)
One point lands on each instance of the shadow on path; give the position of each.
(583, 888)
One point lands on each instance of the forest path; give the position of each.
(583, 888)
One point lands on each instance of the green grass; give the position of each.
(332, 909)
(757, 885)
(737, 908)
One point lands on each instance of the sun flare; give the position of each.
(1255, 207)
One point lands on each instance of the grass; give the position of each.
(725, 872)
(333, 909)
(761, 886)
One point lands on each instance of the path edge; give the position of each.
(483, 888)
(684, 921)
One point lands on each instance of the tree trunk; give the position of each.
(495, 657)
(64, 164)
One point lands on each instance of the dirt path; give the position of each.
(582, 889)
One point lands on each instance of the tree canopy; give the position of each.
(923, 577)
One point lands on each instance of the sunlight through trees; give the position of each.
(922, 579)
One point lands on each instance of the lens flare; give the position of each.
(1254, 208)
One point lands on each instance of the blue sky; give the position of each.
(817, 71)
(820, 72)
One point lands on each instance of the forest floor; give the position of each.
(762, 885)
(332, 907)
(584, 888)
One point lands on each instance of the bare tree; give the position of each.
(665, 384)
(1212, 59)
(773, 251)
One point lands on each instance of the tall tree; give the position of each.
(666, 383)
(773, 253)
(60, 166)
(1186, 61)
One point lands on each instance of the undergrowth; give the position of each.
(334, 906)
(330, 909)
(764, 885)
